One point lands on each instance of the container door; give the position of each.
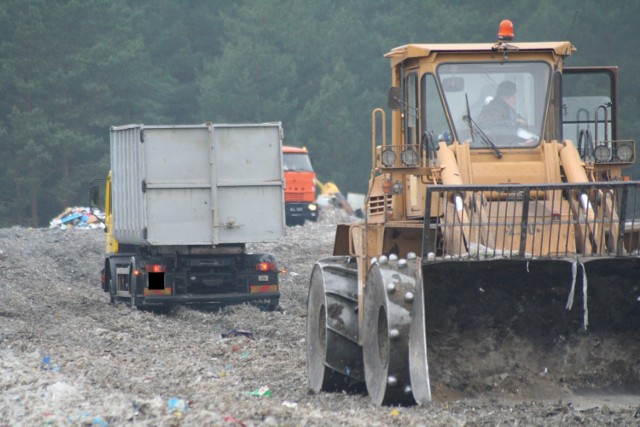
(249, 195)
(177, 185)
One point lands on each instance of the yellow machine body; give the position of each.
(467, 220)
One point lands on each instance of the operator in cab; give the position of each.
(500, 120)
(501, 109)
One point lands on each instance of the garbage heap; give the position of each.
(78, 217)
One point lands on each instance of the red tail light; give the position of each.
(265, 266)
(155, 268)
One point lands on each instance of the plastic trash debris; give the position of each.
(60, 390)
(70, 218)
(78, 217)
(238, 333)
(79, 417)
(223, 372)
(47, 364)
(261, 392)
(245, 355)
(288, 404)
(234, 421)
(179, 406)
(99, 421)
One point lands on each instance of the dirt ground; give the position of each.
(68, 357)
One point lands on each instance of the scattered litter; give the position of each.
(137, 407)
(99, 421)
(47, 364)
(60, 390)
(80, 417)
(394, 413)
(178, 406)
(288, 404)
(238, 333)
(223, 372)
(78, 217)
(245, 355)
(261, 392)
(234, 421)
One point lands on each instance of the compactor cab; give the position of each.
(500, 229)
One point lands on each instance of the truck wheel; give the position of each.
(136, 301)
(112, 283)
(112, 291)
(273, 304)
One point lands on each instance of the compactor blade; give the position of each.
(503, 324)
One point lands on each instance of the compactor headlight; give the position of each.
(388, 157)
(624, 153)
(396, 188)
(312, 207)
(409, 157)
(602, 153)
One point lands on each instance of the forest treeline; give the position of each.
(70, 69)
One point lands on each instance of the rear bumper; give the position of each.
(212, 298)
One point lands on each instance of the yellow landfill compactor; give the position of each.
(498, 206)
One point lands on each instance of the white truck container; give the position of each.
(197, 184)
(181, 203)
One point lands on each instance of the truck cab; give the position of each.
(300, 179)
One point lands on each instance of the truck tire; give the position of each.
(112, 291)
(112, 284)
(273, 304)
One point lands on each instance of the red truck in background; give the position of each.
(300, 191)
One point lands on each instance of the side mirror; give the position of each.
(394, 100)
(94, 197)
(453, 84)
